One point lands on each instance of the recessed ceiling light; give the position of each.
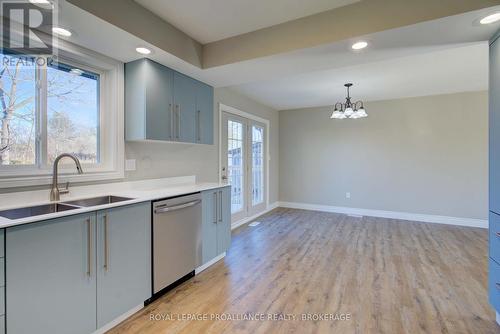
(42, 3)
(61, 31)
(359, 45)
(143, 50)
(490, 18)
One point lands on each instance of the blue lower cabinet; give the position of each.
(75, 274)
(209, 225)
(216, 222)
(494, 236)
(494, 284)
(123, 260)
(51, 276)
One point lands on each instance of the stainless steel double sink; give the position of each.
(37, 210)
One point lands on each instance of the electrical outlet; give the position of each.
(347, 195)
(130, 164)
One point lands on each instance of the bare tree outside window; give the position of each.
(71, 114)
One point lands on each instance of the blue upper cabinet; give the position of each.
(162, 104)
(494, 124)
(185, 108)
(204, 113)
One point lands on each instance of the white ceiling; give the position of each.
(458, 69)
(441, 56)
(208, 21)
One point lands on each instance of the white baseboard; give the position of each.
(472, 222)
(118, 320)
(248, 219)
(209, 263)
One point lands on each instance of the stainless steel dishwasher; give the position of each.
(176, 240)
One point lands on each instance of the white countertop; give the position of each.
(139, 191)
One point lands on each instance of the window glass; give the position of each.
(72, 113)
(17, 112)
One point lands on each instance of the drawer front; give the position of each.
(494, 223)
(494, 284)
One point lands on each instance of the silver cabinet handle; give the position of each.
(106, 251)
(177, 207)
(89, 247)
(216, 212)
(220, 205)
(179, 122)
(198, 124)
(171, 111)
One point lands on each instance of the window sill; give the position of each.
(29, 181)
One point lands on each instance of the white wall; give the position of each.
(424, 155)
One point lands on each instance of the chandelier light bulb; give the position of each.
(348, 109)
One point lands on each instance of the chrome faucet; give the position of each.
(55, 191)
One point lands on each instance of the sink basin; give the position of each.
(38, 210)
(98, 201)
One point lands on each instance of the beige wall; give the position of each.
(419, 155)
(167, 159)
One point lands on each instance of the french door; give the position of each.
(244, 164)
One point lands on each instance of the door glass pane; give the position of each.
(17, 112)
(72, 113)
(235, 164)
(257, 165)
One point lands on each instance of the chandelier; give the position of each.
(348, 109)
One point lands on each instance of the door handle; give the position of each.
(198, 124)
(106, 251)
(220, 205)
(178, 121)
(216, 212)
(177, 207)
(171, 110)
(89, 247)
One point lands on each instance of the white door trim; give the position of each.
(237, 112)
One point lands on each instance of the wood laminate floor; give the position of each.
(385, 275)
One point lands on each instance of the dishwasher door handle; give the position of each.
(177, 207)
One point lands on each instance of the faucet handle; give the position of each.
(65, 190)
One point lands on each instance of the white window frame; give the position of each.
(111, 126)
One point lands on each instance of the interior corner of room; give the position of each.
(252, 166)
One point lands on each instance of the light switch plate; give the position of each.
(130, 164)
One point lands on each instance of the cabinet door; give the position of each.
(209, 225)
(123, 260)
(51, 277)
(159, 102)
(185, 108)
(494, 125)
(205, 113)
(224, 221)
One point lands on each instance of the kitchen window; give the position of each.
(68, 105)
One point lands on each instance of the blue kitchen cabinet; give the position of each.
(209, 225)
(185, 108)
(494, 127)
(123, 260)
(494, 174)
(204, 113)
(165, 105)
(75, 274)
(216, 222)
(51, 276)
(224, 222)
(149, 106)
